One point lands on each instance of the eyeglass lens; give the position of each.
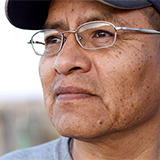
(89, 36)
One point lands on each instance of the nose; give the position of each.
(72, 58)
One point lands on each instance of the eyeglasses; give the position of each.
(92, 35)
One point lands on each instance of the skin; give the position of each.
(107, 100)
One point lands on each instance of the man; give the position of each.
(100, 76)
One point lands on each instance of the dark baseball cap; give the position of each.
(32, 14)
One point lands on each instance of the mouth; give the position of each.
(71, 93)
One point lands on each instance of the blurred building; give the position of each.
(24, 125)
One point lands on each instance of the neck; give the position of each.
(137, 143)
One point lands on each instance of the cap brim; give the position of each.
(29, 14)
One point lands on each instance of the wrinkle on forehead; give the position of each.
(76, 12)
(98, 15)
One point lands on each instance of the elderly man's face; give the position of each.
(93, 93)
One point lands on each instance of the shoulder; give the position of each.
(54, 150)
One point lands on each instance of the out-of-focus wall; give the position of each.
(24, 125)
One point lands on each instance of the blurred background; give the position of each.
(23, 118)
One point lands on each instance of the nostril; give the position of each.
(75, 68)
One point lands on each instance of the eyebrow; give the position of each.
(104, 15)
(55, 25)
(113, 18)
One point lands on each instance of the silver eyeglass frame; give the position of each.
(148, 31)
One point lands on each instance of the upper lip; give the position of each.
(70, 90)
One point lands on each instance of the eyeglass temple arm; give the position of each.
(138, 30)
(30, 42)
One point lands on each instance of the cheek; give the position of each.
(47, 75)
(125, 78)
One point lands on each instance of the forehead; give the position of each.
(65, 12)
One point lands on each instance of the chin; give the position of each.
(84, 130)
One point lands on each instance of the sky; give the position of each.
(19, 77)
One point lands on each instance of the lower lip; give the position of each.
(70, 97)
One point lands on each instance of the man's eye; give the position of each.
(102, 34)
(52, 40)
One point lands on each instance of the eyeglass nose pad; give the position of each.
(64, 40)
(80, 38)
